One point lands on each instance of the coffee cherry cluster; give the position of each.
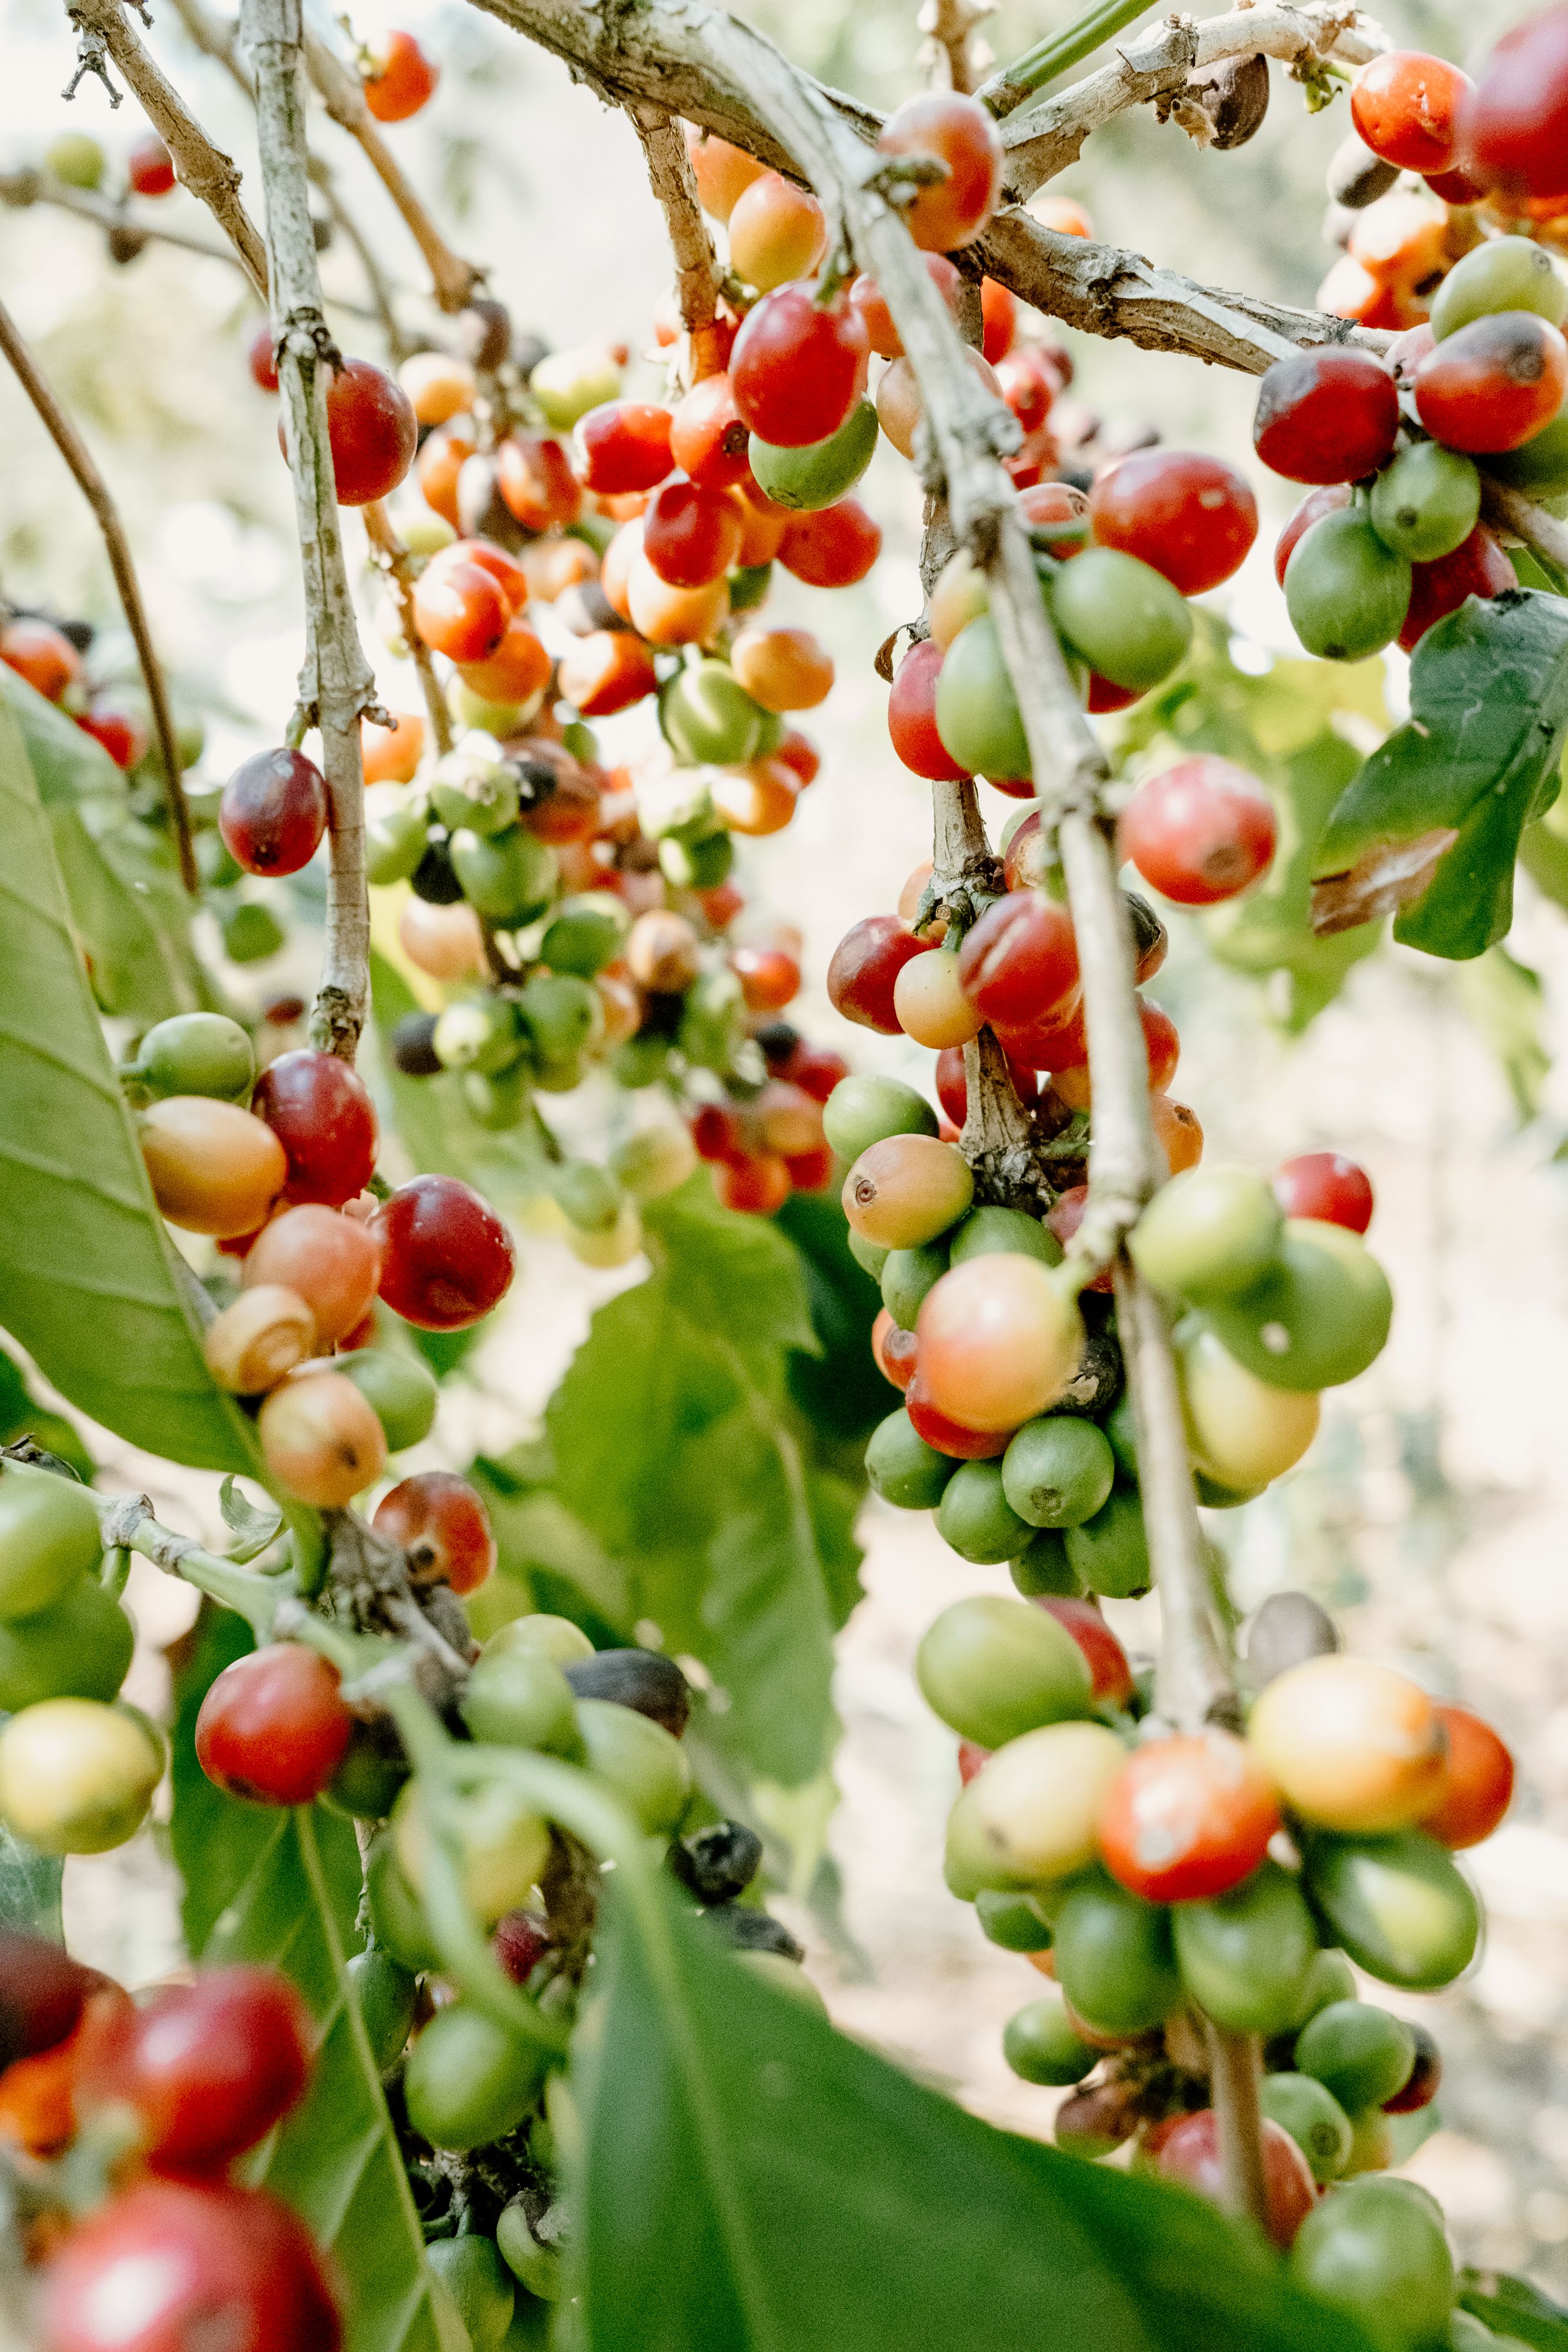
(278, 1169)
(1146, 1882)
(164, 2095)
(78, 1769)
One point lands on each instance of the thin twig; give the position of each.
(394, 559)
(949, 27)
(1512, 512)
(335, 684)
(200, 166)
(455, 280)
(671, 177)
(94, 489)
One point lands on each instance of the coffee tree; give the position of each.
(491, 2038)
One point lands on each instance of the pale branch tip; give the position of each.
(117, 546)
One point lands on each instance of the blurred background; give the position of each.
(1433, 1512)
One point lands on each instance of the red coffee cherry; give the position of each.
(41, 653)
(170, 2265)
(1328, 415)
(948, 1437)
(1199, 833)
(798, 366)
(960, 133)
(1478, 1788)
(273, 1728)
(607, 671)
(864, 967)
(274, 812)
(1479, 568)
(1494, 384)
(441, 1522)
(690, 535)
(1406, 107)
(261, 359)
(1192, 518)
(708, 440)
(1188, 1817)
(150, 168)
(460, 610)
(208, 2067)
(1019, 961)
(624, 445)
(447, 1258)
(1113, 1683)
(911, 714)
(399, 78)
(866, 296)
(1327, 1186)
(1190, 2153)
(998, 315)
(1512, 124)
(754, 1186)
(372, 430)
(833, 548)
(121, 732)
(536, 481)
(320, 1110)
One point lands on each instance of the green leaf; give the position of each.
(677, 1450)
(283, 1888)
(90, 1283)
(1511, 2306)
(30, 1889)
(22, 1416)
(252, 1525)
(838, 1386)
(1432, 824)
(122, 880)
(1507, 1001)
(754, 2180)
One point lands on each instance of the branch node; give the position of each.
(92, 58)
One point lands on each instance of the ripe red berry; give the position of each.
(441, 1522)
(815, 1069)
(41, 653)
(950, 1436)
(1113, 1683)
(320, 1110)
(1479, 1786)
(690, 535)
(999, 316)
(460, 609)
(150, 169)
(911, 714)
(261, 358)
(960, 133)
(372, 430)
(1477, 567)
(208, 2067)
(833, 548)
(1200, 832)
(1019, 961)
(866, 965)
(754, 1186)
(1406, 107)
(447, 1258)
(1188, 1817)
(707, 438)
(798, 366)
(536, 480)
(274, 812)
(1328, 415)
(121, 732)
(624, 445)
(1494, 384)
(1327, 1186)
(1513, 126)
(171, 2266)
(399, 78)
(520, 1944)
(273, 1728)
(1190, 2153)
(718, 1133)
(1192, 518)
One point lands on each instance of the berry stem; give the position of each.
(95, 489)
(335, 684)
(671, 180)
(1058, 53)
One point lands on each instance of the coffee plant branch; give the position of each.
(696, 271)
(94, 489)
(336, 685)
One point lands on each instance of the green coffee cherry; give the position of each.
(908, 1275)
(862, 1111)
(397, 1915)
(707, 718)
(76, 1777)
(396, 838)
(1120, 1426)
(556, 1638)
(510, 877)
(76, 159)
(386, 1992)
(1379, 2255)
(903, 1469)
(1503, 273)
(472, 709)
(78, 1647)
(678, 804)
(520, 1698)
(587, 1195)
(748, 587)
(1041, 2045)
(1208, 1234)
(1043, 1566)
(584, 934)
(1108, 1553)
(1317, 1318)
(401, 1389)
(1347, 593)
(1315, 2119)
(1398, 1905)
(1540, 465)
(501, 1102)
(49, 1536)
(1427, 500)
(251, 932)
(1016, 1922)
(478, 1033)
(467, 2081)
(477, 792)
(1121, 617)
(1245, 1956)
(480, 2284)
(977, 1520)
(1114, 1957)
(713, 1022)
(696, 865)
(526, 2255)
(976, 712)
(821, 472)
(567, 384)
(1330, 1978)
(196, 1053)
(655, 1161)
(369, 1779)
(1360, 2053)
(993, 1668)
(870, 1257)
(638, 1761)
(987, 1230)
(1058, 1471)
(562, 1019)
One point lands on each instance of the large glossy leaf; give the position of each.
(753, 2181)
(126, 898)
(1432, 824)
(677, 1448)
(284, 1888)
(90, 1283)
(1512, 2308)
